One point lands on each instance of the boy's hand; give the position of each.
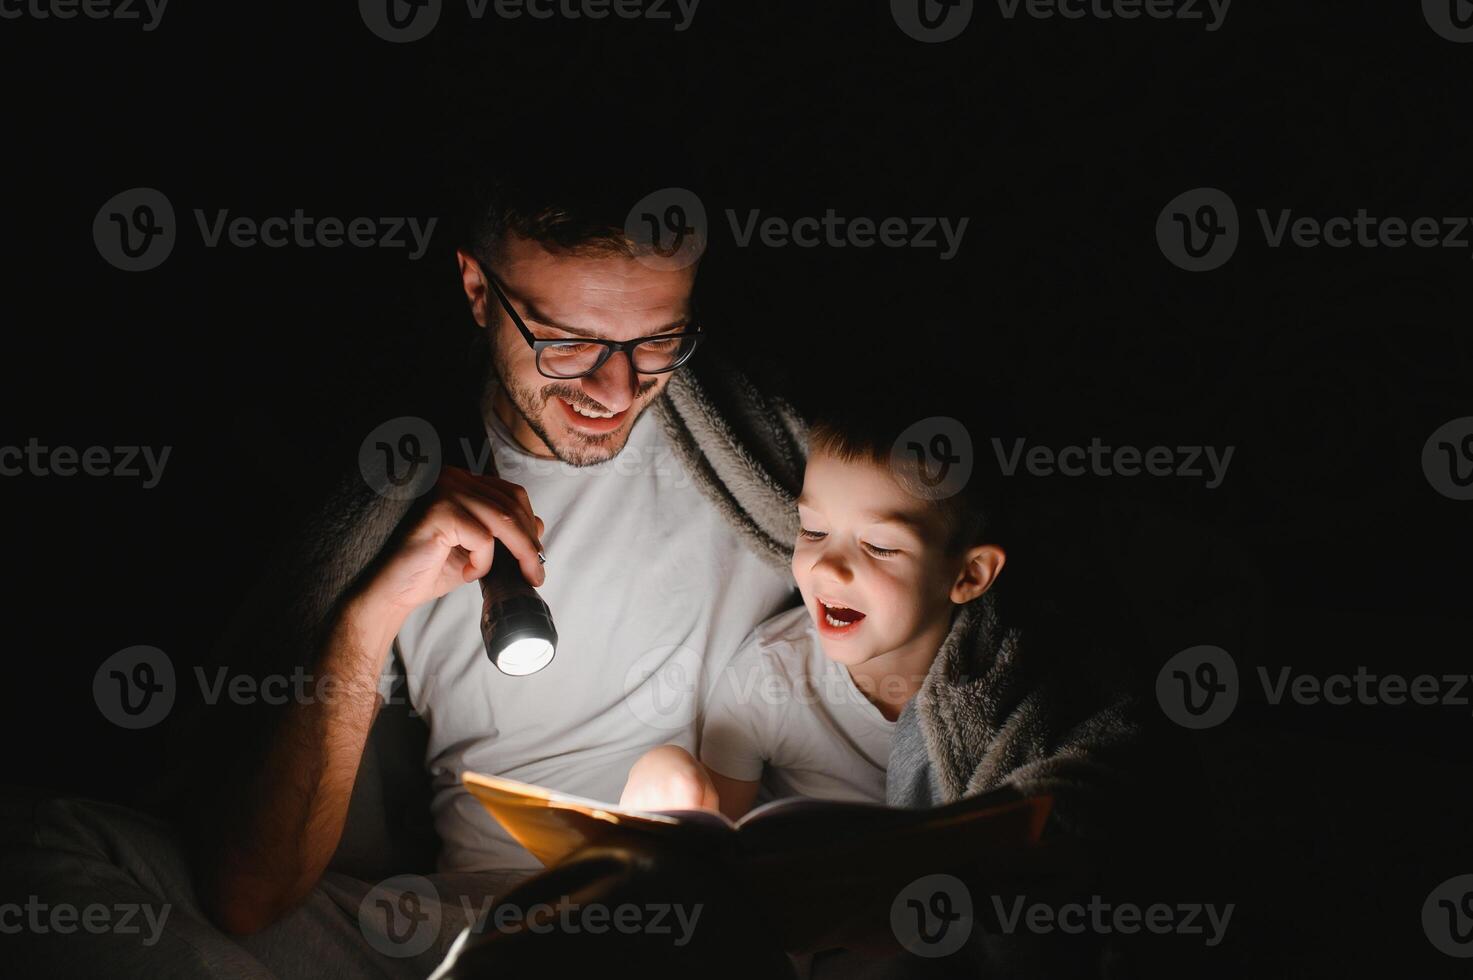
(669, 778)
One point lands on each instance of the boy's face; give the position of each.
(870, 560)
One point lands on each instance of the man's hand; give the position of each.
(669, 778)
(454, 540)
(279, 843)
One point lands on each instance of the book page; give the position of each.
(553, 825)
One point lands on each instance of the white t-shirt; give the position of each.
(782, 703)
(651, 591)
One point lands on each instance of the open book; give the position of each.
(824, 862)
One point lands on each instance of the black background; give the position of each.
(1325, 549)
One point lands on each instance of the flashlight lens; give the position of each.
(525, 656)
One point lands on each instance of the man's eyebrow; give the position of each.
(534, 315)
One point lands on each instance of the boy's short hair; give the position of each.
(869, 434)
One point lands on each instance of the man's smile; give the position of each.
(586, 418)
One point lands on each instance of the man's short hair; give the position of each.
(563, 219)
(571, 192)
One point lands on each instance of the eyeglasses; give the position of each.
(565, 359)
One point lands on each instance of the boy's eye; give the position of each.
(803, 532)
(881, 552)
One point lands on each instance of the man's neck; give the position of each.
(890, 680)
(516, 426)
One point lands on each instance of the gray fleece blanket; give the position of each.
(979, 721)
(983, 720)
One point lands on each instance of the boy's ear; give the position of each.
(982, 563)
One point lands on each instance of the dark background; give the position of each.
(1325, 549)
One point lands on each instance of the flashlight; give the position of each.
(516, 624)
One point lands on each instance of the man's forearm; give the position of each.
(271, 856)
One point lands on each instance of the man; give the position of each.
(645, 578)
(658, 564)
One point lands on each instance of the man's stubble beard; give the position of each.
(589, 450)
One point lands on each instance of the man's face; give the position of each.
(584, 420)
(868, 560)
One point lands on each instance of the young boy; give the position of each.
(812, 697)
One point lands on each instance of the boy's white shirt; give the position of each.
(782, 704)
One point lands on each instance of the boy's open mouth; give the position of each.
(835, 618)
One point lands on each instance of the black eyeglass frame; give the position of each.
(610, 347)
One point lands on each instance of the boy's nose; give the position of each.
(832, 566)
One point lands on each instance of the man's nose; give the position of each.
(614, 383)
